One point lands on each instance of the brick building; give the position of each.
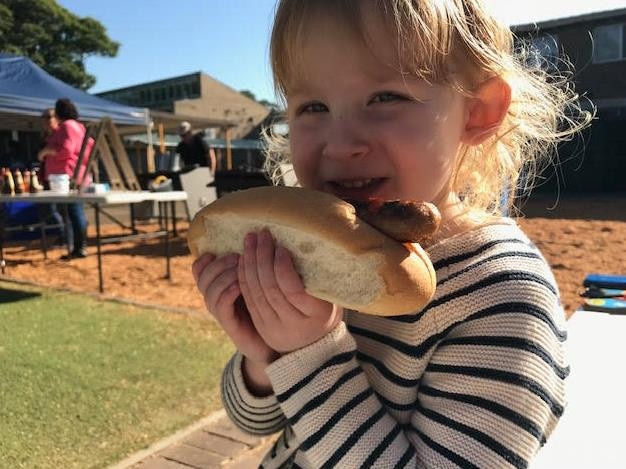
(195, 94)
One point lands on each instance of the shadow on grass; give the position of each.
(13, 296)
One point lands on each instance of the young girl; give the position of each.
(403, 99)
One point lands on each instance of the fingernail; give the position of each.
(206, 257)
(265, 236)
(250, 240)
(282, 253)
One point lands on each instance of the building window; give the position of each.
(545, 52)
(609, 43)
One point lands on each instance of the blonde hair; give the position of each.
(431, 36)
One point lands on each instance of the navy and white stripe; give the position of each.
(474, 380)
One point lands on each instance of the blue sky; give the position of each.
(228, 39)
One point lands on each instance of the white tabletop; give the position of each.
(106, 198)
(590, 433)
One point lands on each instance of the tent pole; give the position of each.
(161, 138)
(229, 151)
(149, 150)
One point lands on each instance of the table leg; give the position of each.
(3, 263)
(174, 230)
(164, 205)
(67, 228)
(41, 213)
(132, 219)
(99, 247)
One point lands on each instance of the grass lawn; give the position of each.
(84, 383)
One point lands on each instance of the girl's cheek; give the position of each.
(304, 143)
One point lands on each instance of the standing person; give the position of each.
(418, 100)
(61, 156)
(193, 149)
(49, 124)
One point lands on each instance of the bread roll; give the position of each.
(340, 258)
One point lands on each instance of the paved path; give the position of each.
(212, 443)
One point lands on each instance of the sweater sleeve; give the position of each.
(256, 415)
(332, 409)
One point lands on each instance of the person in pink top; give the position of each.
(50, 123)
(61, 156)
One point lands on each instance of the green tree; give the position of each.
(264, 102)
(54, 38)
(248, 94)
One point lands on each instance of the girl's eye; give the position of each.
(311, 108)
(387, 97)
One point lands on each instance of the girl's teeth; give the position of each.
(355, 184)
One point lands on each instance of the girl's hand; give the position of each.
(285, 316)
(216, 278)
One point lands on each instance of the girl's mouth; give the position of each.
(360, 189)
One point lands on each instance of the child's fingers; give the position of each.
(256, 296)
(267, 277)
(290, 283)
(227, 297)
(246, 293)
(200, 263)
(213, 269)
(218, 287)
(289, 279)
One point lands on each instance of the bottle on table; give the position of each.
(35, 185)
(19, 182)
(26, 181)
(8, 186)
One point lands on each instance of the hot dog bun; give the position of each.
(340, 258)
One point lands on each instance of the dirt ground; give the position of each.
(578, 236)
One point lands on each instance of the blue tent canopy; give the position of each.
(26, 89)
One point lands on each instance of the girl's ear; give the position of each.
(486, 110)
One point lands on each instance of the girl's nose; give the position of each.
(345, 139)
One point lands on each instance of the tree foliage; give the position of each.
(53, 38)
(264, 102)
(248, 94)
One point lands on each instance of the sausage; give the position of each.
(406, 221)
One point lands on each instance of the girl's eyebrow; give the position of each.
(295, 90)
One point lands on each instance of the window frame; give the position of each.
(622, 53)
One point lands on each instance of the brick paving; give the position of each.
(213, 443)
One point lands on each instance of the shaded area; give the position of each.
(9, 295)
(607, 206)
(150, 248)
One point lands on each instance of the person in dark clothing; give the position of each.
(192, 148)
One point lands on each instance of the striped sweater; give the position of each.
(474, 380)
